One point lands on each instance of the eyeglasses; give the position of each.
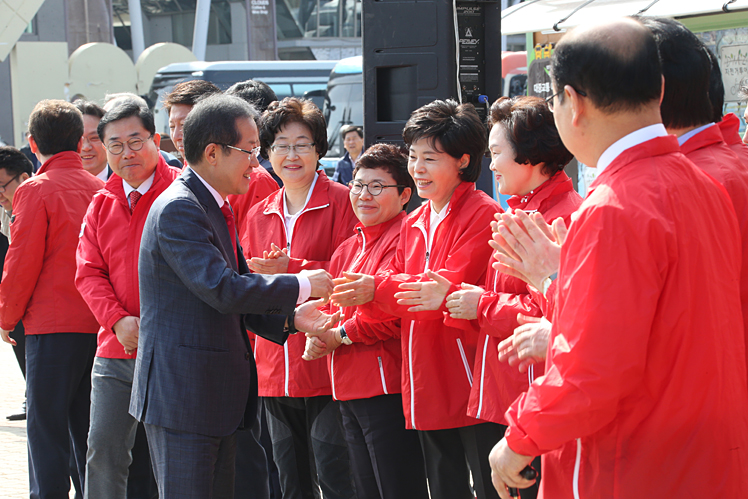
(252, 153)
(135, 144)
(3, 187)
(549, 100)
(283, 149)
(374, 188)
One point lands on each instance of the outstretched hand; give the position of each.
(527, 247)
(352, 289)
(424, 295)
(312, 321)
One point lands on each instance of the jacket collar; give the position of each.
(65, 159)
(667, 144)
(532, 201)
(114, 188)
(459, 196)
(319, 198)
(730, 128)
(373, 232)
(705, 138)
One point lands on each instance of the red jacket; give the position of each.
(645, 381)
(371, 365)
(730, 128)
(38, 283)
(437, 358)
(261, 185)
(323, 225)
(497, 383)
(107, 257)
(708, 151)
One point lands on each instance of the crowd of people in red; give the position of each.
(563, 348)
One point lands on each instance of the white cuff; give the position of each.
(305, 288)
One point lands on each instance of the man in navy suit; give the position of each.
(195, 381)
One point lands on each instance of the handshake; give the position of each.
(322, 336)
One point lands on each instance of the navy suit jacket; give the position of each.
(195, 370)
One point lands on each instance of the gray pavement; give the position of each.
(14, 474)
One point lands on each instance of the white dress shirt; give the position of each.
(142, 188)
(633, 139)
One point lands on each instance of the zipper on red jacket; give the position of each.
(287, 367)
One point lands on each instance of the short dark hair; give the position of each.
(213, 121)
(686, 68)
(56, 126)
(189, 93)
(531, 130)
(293, 110)
(390, 158)
(88, 108)
(345, 130)
(615, 77)
(257, 93)
(457, 127)
(716, 89)
(123, 110)
(15, 162)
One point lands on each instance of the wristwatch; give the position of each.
(344, 337)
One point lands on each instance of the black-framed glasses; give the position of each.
(283, 149)
(252, 153)
(549, 100)
(135, 144)
(374, 188)
(2, 187)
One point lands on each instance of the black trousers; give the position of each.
(58, 384)
(309, 448)
(386, 458)
(252, 480)
(452, 455)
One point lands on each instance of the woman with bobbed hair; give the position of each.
(446, 142)
(365, 369)
(528, 160)
(297, 228)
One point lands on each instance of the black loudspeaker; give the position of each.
(411, 58)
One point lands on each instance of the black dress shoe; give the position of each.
(16, 417)
(19, 416)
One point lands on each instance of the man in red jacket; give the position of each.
(645, 387)
(687, 68)
(107, 278)
(38, 287)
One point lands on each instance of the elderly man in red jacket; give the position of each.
(107, 278)
(38, 287)
(645, 388)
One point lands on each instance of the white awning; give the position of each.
(542, 15)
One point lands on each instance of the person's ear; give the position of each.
(211, 153)
(577, 105)
(157, 140)
(464, 161)
(405, 196)
(80, 145)
(24, 177)
(32, 145)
